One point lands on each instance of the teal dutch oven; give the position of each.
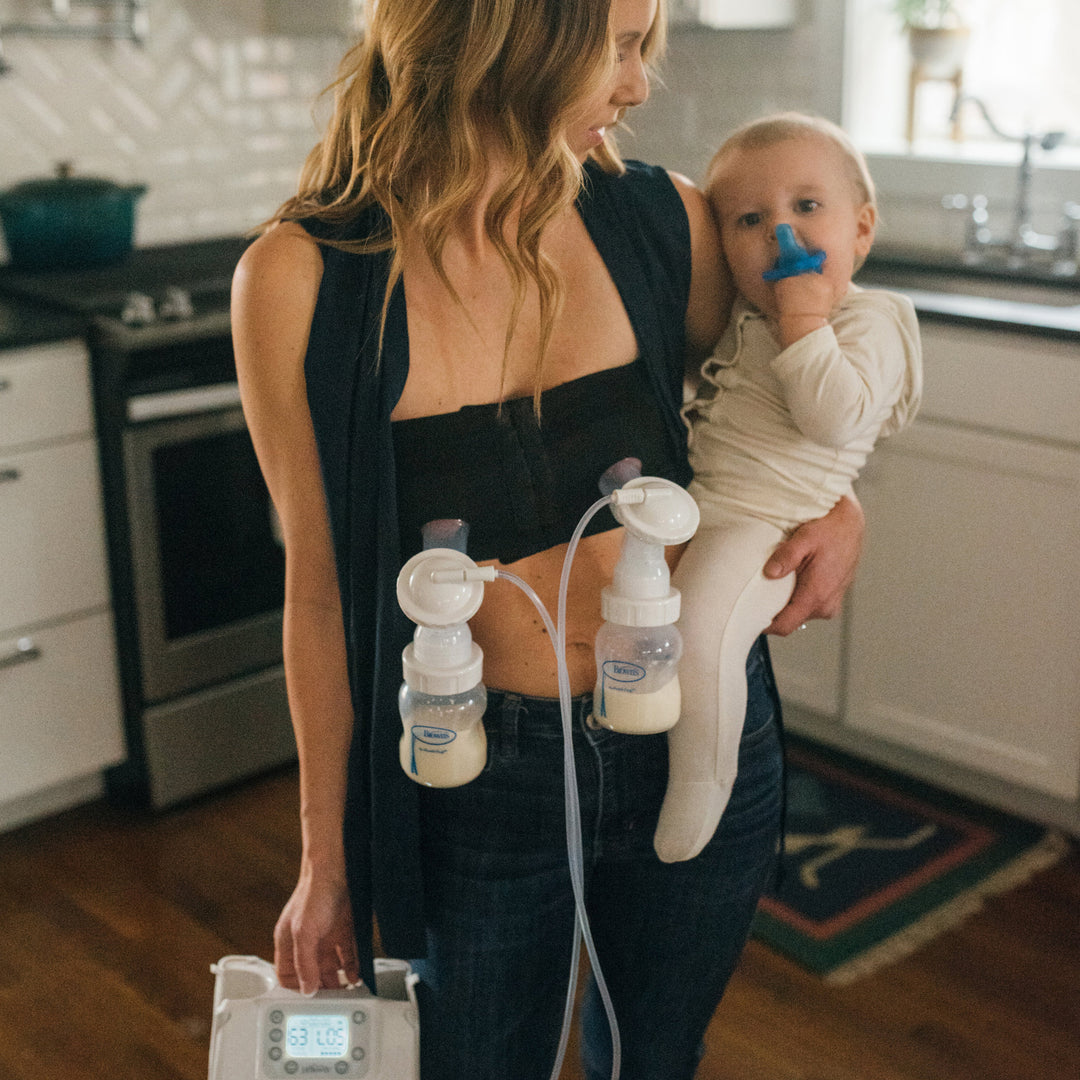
(68, 222)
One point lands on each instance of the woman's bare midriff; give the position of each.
(522, 659)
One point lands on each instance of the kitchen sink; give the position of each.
(1010, 290)
(968, 294)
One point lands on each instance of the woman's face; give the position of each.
(628, 85)
(801, 182)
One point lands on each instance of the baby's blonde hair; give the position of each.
(778, 127)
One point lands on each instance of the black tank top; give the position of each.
(523, 485)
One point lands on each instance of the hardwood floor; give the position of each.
(109, 922)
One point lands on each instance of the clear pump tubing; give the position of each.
(571, 787)
(576, 857)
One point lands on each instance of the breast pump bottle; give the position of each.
(638, 647)
(442, 699)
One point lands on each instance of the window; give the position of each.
(1020, 62)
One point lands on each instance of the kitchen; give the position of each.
(213, 113)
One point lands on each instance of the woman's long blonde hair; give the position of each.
(420, 100)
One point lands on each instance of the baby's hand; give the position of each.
(803, 303)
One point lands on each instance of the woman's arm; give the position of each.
(711, 289)
(274, 293)
(824, 554)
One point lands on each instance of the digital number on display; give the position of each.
(317, 1036)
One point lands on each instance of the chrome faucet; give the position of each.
(1022, 245)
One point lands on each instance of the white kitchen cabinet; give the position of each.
(60, 716)
(52, 533)
(59, 712)
(733, 14)
(958, 654)
(964, 632)
(317, 17)
(809, 666)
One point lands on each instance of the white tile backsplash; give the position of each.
(713, 80)
(216, 117)
(213, 117)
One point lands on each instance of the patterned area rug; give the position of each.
(877, 864)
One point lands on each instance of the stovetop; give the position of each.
(158, 321)
(169, 284)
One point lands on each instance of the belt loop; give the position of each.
(511, 708)
(585, 719)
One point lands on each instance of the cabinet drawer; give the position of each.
(52, 534)
(1001, 381)
(59, 705)
(44, 393)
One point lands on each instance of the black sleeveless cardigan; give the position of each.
(639, 226)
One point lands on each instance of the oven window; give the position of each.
(219, 560)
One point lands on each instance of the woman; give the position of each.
(466, 253)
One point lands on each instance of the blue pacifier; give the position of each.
(793, 258)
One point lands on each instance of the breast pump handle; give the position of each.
(793, 259)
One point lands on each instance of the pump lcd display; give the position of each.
(317, 1035)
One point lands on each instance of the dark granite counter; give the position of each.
(1034, 303)
(23, 324)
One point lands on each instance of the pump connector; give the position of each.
(655, 510)
(436, 588)
(656, 513)
(793, 259)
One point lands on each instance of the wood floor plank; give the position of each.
(109, 922)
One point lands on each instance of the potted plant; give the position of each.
(937, 35)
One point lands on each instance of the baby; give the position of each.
(810, 371)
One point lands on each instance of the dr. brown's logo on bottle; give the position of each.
(623, 671)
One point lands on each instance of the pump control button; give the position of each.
(276, 1016)
(359, 1016)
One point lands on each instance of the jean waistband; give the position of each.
(508, 712)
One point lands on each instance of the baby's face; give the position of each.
(802, 182)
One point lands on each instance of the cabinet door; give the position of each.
(965, 617)
(44, 393)
(52, 534)
(59, 705)
(808, 666)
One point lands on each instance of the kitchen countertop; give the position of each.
(1027, 303)
(941, 290)
(23, 324)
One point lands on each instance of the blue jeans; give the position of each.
(500, 908)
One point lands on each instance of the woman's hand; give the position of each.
(314, 936)
(824, 554)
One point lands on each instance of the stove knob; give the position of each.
(138, 310)
(176, 304)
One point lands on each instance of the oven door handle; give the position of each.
(188, 402)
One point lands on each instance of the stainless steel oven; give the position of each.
(196, 564)
(207, 570)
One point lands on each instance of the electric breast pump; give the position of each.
(638, 647)
(442, 699)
